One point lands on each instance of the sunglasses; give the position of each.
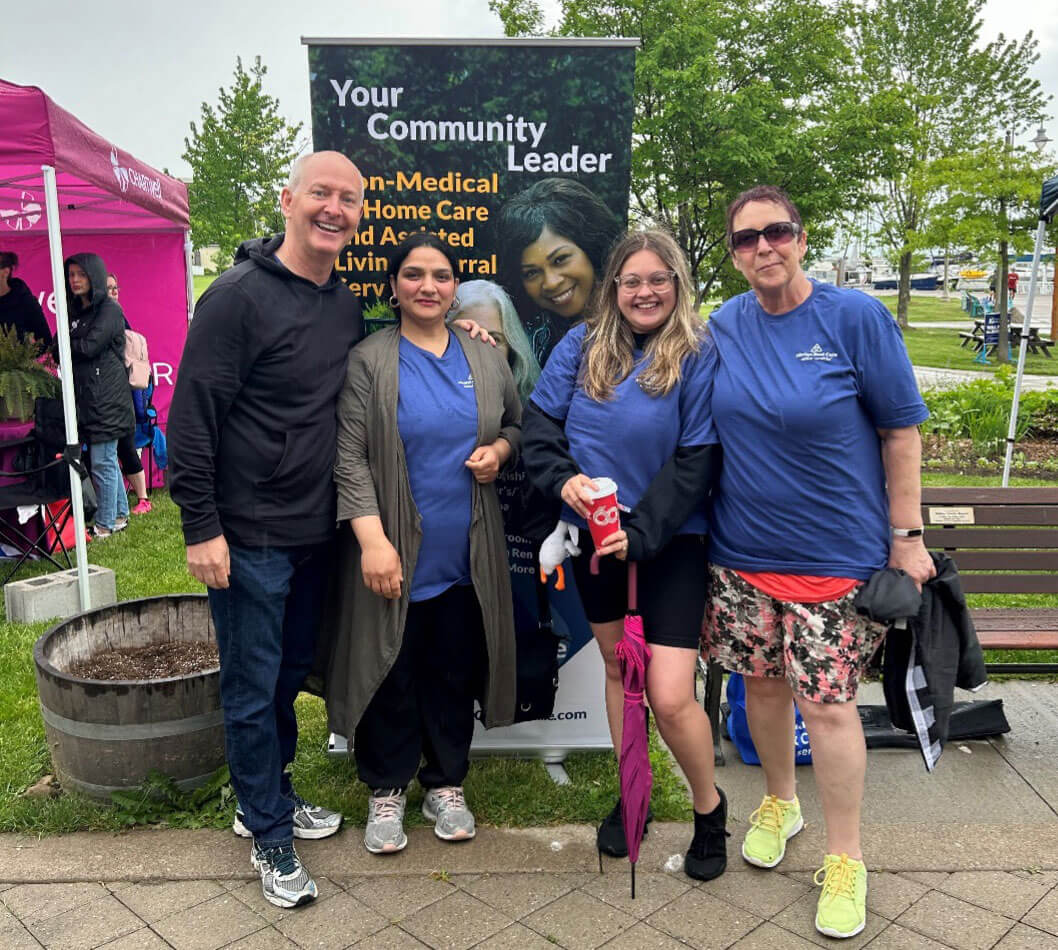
(777, 234)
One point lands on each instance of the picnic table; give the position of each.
(979, 311)
(1038, 345)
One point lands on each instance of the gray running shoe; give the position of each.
(310, 821)
(384, 833)
(447, 808)
(284, 880)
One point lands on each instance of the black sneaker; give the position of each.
(611, 836)
(707, 856)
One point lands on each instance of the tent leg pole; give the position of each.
(188, 276)
(62, 333)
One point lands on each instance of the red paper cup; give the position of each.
(604, 517)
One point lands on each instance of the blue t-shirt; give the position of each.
(630, 437)
(797, 401)
(437, 418)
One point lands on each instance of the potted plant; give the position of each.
(25, 374)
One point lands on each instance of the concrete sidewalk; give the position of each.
(964, 858)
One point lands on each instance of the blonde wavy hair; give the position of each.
(609, 344)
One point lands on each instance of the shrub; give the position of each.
(980, 411)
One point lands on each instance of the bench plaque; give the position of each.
(951, 515)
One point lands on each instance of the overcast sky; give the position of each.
(137, 73)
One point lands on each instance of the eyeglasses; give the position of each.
(113, 289)
(659, 280)
(777, 234)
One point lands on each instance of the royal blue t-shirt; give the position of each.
(797, 401)
(630, 437)
(437, 418)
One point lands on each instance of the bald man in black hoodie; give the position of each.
(251, 445)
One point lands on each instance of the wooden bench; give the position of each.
(1004, 541)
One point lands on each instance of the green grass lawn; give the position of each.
(929, 309)
(147, 559)
(201, 283)
(940, 348)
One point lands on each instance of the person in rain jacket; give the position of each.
(101, 384)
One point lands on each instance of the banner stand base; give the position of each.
(557, 772)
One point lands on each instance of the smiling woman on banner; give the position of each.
(626, 396)
(554, 237)
(817, 410)
(421, 621)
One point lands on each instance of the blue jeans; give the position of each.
(266, 622)
(112, 501)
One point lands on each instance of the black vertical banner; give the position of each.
(518, 154)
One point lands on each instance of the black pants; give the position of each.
(128, 456)
(425, 706)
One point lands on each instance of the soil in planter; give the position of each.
(157, 661)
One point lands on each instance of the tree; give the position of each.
(989, 204)
(934, 91)
(728, 95)
(239, 161)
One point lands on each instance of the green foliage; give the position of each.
(239, 161)
(932, 90)
(727, 95)
(159, 800)
(23, 375)
(980, 411)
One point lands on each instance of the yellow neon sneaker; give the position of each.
(842, 910)
(772, 825)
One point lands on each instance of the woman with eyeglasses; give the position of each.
(817, 410)
(627, 396)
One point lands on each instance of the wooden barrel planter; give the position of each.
(105, 735)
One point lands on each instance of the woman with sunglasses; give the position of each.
(817, 410)
(626, 396)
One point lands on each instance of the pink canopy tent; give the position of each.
(65, 189)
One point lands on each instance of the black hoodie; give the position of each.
(19, 309)
(252, 425)
(97, 345)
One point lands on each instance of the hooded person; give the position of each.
(101, 383)
(19, 307)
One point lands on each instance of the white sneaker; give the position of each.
(284, 880)
(447, 808)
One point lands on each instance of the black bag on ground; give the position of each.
(972, 719)
(537, 664)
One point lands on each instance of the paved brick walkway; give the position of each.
(523, 911)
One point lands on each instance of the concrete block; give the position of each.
(55, 595)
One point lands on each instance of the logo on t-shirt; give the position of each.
(467, 383)
(816, 355)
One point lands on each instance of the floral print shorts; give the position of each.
(821, 650)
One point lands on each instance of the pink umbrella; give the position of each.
(637, 780)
